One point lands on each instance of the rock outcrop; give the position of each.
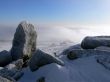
(93, 42)
(5, 58)
(24, 42)
(41, 58)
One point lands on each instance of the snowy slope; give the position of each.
(80, 70)
(84, 69)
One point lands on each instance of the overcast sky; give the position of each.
(55, 12)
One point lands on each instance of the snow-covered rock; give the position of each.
(41, 58)
(24, 42)
(67, 50)
(13, 73)
(88, 52)
(93, 42)
(15, 65)
(103, 48)
(5, 58)
(6, 79)
(13, 70)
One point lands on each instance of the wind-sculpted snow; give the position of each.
(81, 70)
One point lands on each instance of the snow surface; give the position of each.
(80, 70)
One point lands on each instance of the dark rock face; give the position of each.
(71, 55)
(93, 42)
(41, 58)
(24, 42)
(5, 58)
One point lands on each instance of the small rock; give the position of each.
(42, 79)
(93, 42)
(71, 55)
(41, 58)
(24, 42)
(5, 58)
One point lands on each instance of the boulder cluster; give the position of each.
(98, 46)
(23, 54)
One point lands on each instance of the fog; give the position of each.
(58, 33)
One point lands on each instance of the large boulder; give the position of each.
(93, 42)
(24, 42)
(5, 58)
(41, 58)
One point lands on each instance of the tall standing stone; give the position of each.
(24, 42)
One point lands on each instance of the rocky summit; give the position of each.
(78, 63)
(24, 42)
